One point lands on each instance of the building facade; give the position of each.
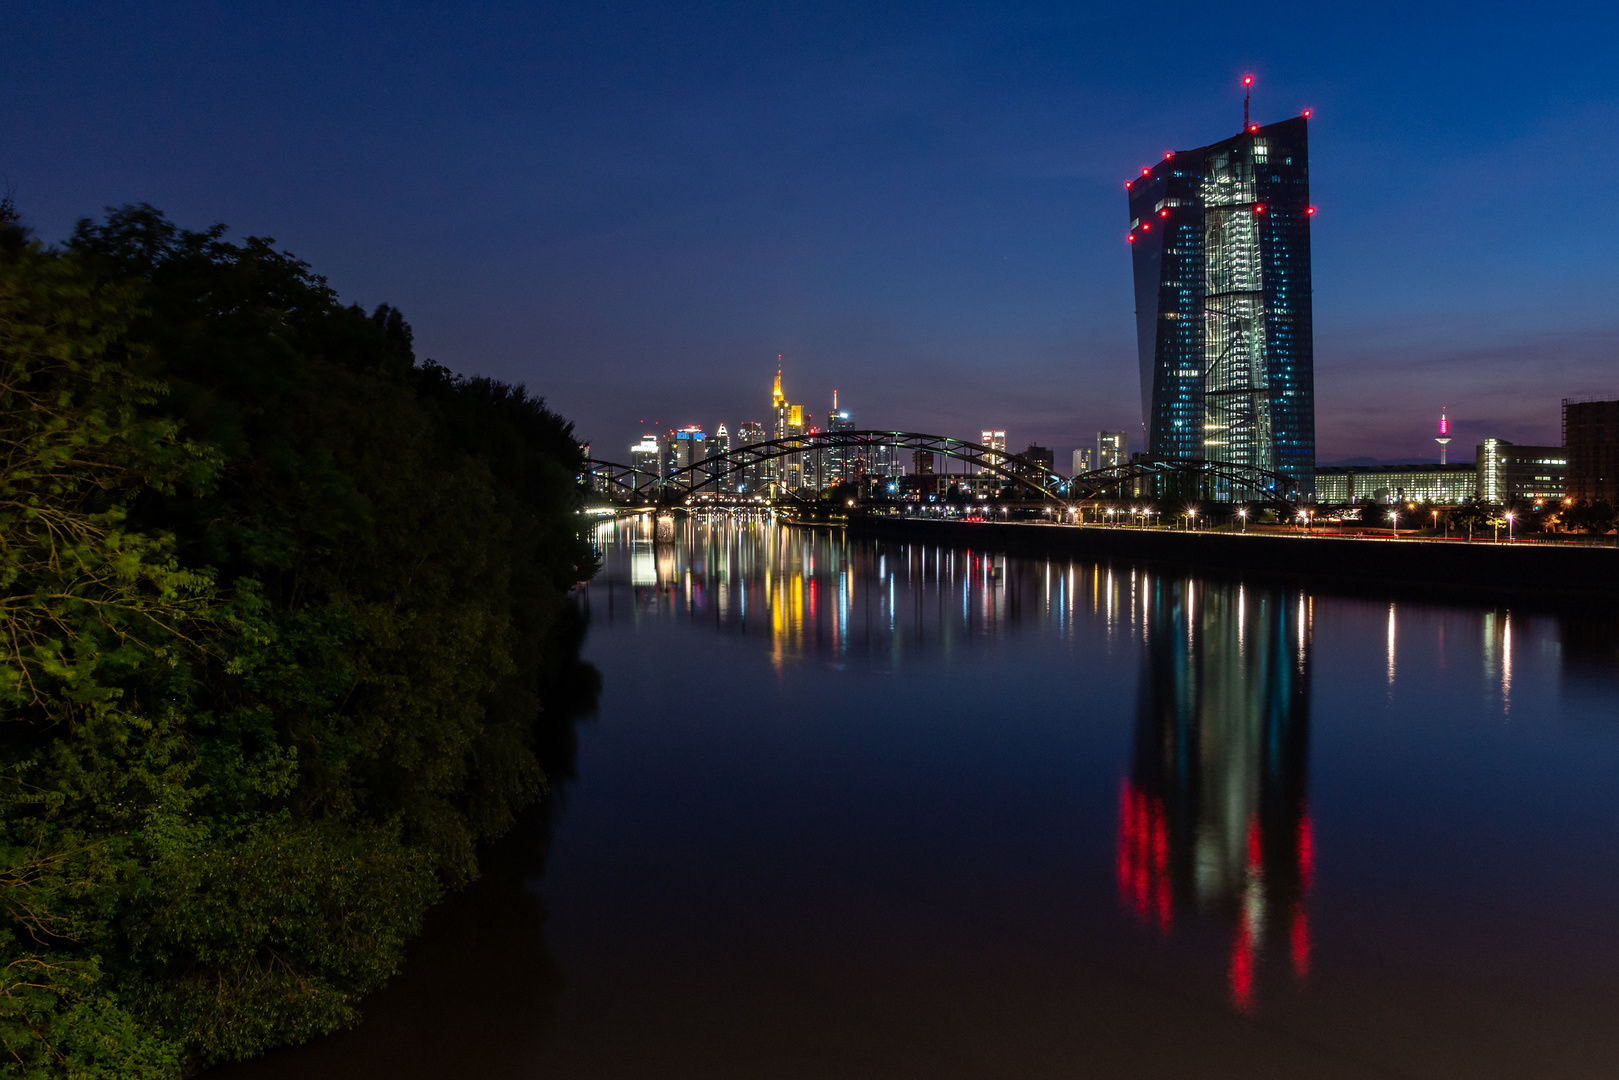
(1446, 485)
(1591, 437)
(1510, 473)
(1220, 240)
(1082, 461)
(1112, 449)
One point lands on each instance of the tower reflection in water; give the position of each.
(1214, 821)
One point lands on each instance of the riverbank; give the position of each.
(1569, 571)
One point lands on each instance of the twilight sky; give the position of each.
(635, 207)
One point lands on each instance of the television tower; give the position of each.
(1444, 433)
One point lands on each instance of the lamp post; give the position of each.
(1509, 526)
(1435, 514)
(1243, 514)
(1191, 518)
(1394, 522)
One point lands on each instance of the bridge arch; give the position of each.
(717, 471)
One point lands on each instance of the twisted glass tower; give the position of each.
(1221, 251)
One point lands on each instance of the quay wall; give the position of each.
(1570, 570)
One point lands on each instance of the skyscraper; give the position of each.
(1220, 240)
(1112, 449)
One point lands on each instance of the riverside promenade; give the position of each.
(1568, 570)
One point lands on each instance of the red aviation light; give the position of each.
(1253, 127)
(1247, 80)
(1144, 172)
(1145, 225)
(1132, 238)
(1164, 212)
(1307, 113)
(1309, 211)
(1168, 155)
(1260, 209)
(1127, 184)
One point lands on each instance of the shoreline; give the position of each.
(1572, 572)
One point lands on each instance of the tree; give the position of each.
(284, 605)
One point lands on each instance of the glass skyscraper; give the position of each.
(1221, 239)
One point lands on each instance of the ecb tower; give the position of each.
(1220, 240)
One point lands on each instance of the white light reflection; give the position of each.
(1391, 647)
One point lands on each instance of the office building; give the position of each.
(994, 440)
(647, 456)
(1445, 485)
(923, 462)
(1220, 240)
(843, 463)
(1082, 461)
(1510, 473)
(722, 441)
(1591, 437)
(683, 448)
(754, 477)
(787, 470)
(1112, 449)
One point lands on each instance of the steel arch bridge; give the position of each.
(719, 471)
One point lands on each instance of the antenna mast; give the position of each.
(1247, 84)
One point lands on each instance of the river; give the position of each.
(862, 809)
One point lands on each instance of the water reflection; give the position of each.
(1214, 820)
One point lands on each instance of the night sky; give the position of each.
(634, 208)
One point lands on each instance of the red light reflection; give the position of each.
(1144, 857)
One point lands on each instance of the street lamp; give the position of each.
(1509, 526)
(1394, 522)
(1243, 514)
(1435, 514)
(1191, 516)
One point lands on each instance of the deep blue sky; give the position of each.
(634, 208)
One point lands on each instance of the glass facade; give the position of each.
(1221, 250)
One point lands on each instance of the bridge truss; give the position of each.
(719, 473)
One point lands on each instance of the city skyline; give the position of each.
(924, 212)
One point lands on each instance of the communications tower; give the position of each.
(1444, 433)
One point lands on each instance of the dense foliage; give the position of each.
(281, 607)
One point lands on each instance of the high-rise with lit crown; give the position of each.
(1220, 240)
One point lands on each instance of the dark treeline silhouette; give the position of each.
(285, 610)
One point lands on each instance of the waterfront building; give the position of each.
(1112, 449)
(787, 470)
(1446, 485)
(1591, 438)
(1082, 461)
(1220, 240)
(923, 460)
(1509, 473)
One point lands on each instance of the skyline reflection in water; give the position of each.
(856, 808)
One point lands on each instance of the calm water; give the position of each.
(871, 810)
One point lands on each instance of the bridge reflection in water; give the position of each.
(1214, 820)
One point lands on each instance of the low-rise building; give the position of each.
(1512, 472)
(1443, 484)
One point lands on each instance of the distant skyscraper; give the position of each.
(1221, 250)
(647, 457)
(995, 440)
(843, 463)
(1082, 461)
(684, 448)
(722, 441)
(754, 477)
(1112, 449)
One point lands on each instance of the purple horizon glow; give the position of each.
(635, 209)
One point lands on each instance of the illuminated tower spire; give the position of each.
(1444, 433)
(776, 398)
